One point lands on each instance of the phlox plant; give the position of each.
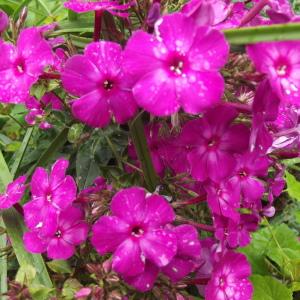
(149, 150)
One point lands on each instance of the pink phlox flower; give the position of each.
(50, 194)
(136, 232)
(235, 233)
(251, 169)
(21, 65)
(285, 128)
(188, 253)
(208, 247)
(212, 142)
(99, 185)
(97, 77)
(114, 7)
(207, 12)
(83, 293)
(280, 11)
(230, 278)
(4, 21)
(280, 61)
(176, 67)
(265, 109)
(71, 230)
(37, 109)
(14, 193)
(224, 199)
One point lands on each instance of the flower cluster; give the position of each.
(55, 226)
(143, 241)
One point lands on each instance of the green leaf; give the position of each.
(280, 244)
(40, 292)
(140, 143)
(256, 259)
(3, 262)
(18, 156)
(71, 286)
(60, 266)
(26, 274)
(293, 186)
(52, 149)
(269, 288)
(15, 229)
(249, 35)
(295, 286)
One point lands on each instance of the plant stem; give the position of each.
(46, 75)
(143, 153)
(97, 25)
(200, 226)
(254, 11)
(189, 202)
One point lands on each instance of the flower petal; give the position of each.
(159, 246)
(33, 243)
(92, 109)
(129, 205)
(80, 75)
(144, 281)
(156, 93)
(108, 234)
(59, 249)
(158, 211)
(199, 91)
(128, 259)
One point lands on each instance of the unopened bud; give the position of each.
(4, 21)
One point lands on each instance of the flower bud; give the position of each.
(4, 21)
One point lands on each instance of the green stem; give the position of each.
(248, 35)
(140, 143)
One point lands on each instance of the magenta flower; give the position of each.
(98, 79)
(212, 142)
(144, 282)
(230, 279)
(224, 199)
(188, 253)
(112, 6)
(177, 67)
(4, 21)
(37, 109)
(135, 232)
(250, 166)
(50, 195)
(265, 109)
(207, 12)
(70, 231)
(14, 193)
(22, 65)
(280, 61)
(236, 233)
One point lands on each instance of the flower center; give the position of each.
(243, 173)
(137, 231)
(49, 197)
(20, 66)
(222, 281)
(108, 85)
(282, 70)
(58, 234)
(177, 67)
(282, 67)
